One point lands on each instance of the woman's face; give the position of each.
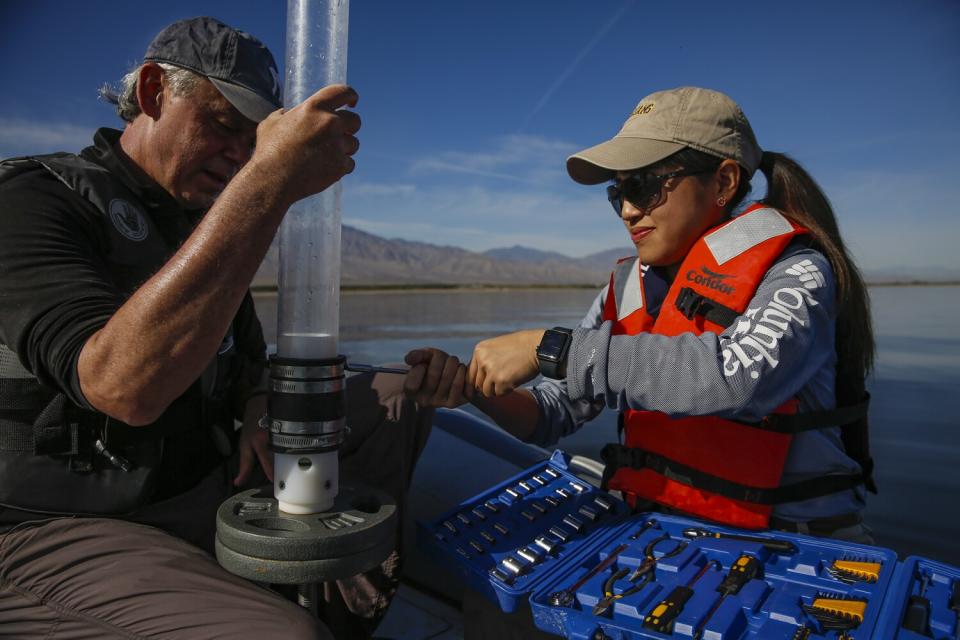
(664, 233)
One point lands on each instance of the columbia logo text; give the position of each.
(757, 337)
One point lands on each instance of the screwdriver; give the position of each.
(662, 617)
(780, 546)
(917, 618)
(745, 569)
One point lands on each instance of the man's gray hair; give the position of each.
(180, 82)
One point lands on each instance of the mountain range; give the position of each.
(370, 261)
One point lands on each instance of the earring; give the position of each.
(721, 201)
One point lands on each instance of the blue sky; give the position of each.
(470, 109)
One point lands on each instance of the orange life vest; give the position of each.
(715, 468)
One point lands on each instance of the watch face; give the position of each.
(551, 346)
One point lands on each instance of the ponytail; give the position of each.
(792, 191)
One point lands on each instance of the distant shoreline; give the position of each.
(266, 289)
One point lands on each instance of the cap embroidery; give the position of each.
(642, 109)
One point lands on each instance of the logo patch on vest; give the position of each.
(128, 220)
(711, 280)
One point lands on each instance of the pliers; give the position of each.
(638, 579)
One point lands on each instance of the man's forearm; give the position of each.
(163, 337)
(516, 413)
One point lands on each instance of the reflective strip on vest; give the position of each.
(627, 288)
(745, 232)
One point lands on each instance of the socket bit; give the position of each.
(587, 513)
(603, 504)
(573, 523)
(560, 533)
(515, 566)
(529, 555)
(545, 543)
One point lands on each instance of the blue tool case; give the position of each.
(923, 601)
(592, 570)
(507, 540)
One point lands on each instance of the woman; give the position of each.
(735, 347)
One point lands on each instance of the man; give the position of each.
(129, 343)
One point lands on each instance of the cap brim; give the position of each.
(251, 104)
(599, 163)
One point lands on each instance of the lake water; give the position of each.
(914, 427)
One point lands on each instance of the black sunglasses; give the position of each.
(644, 190)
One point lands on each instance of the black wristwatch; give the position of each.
(552, 352)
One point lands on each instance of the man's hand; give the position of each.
(503, 363)
(253, 442)
(308, 148)
(436, 379)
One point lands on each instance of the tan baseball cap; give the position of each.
(662, 124)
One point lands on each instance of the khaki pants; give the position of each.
(87, 578)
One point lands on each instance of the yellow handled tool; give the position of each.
(851, 571)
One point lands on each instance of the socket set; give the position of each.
(922, 602)
(508, 539)
(591, 570)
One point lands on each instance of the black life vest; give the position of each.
(58, 458)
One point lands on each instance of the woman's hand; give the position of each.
(436, 379)
(503, 363)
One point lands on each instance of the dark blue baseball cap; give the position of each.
(237, 64)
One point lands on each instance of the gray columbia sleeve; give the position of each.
(780, 343)
(559, 415)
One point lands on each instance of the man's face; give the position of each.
(201, 141)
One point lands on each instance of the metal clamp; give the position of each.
(306, 386)
(306, 372)
(290, 427)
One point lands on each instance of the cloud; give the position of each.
(535, 160)
(20, 136)
(383, 190)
